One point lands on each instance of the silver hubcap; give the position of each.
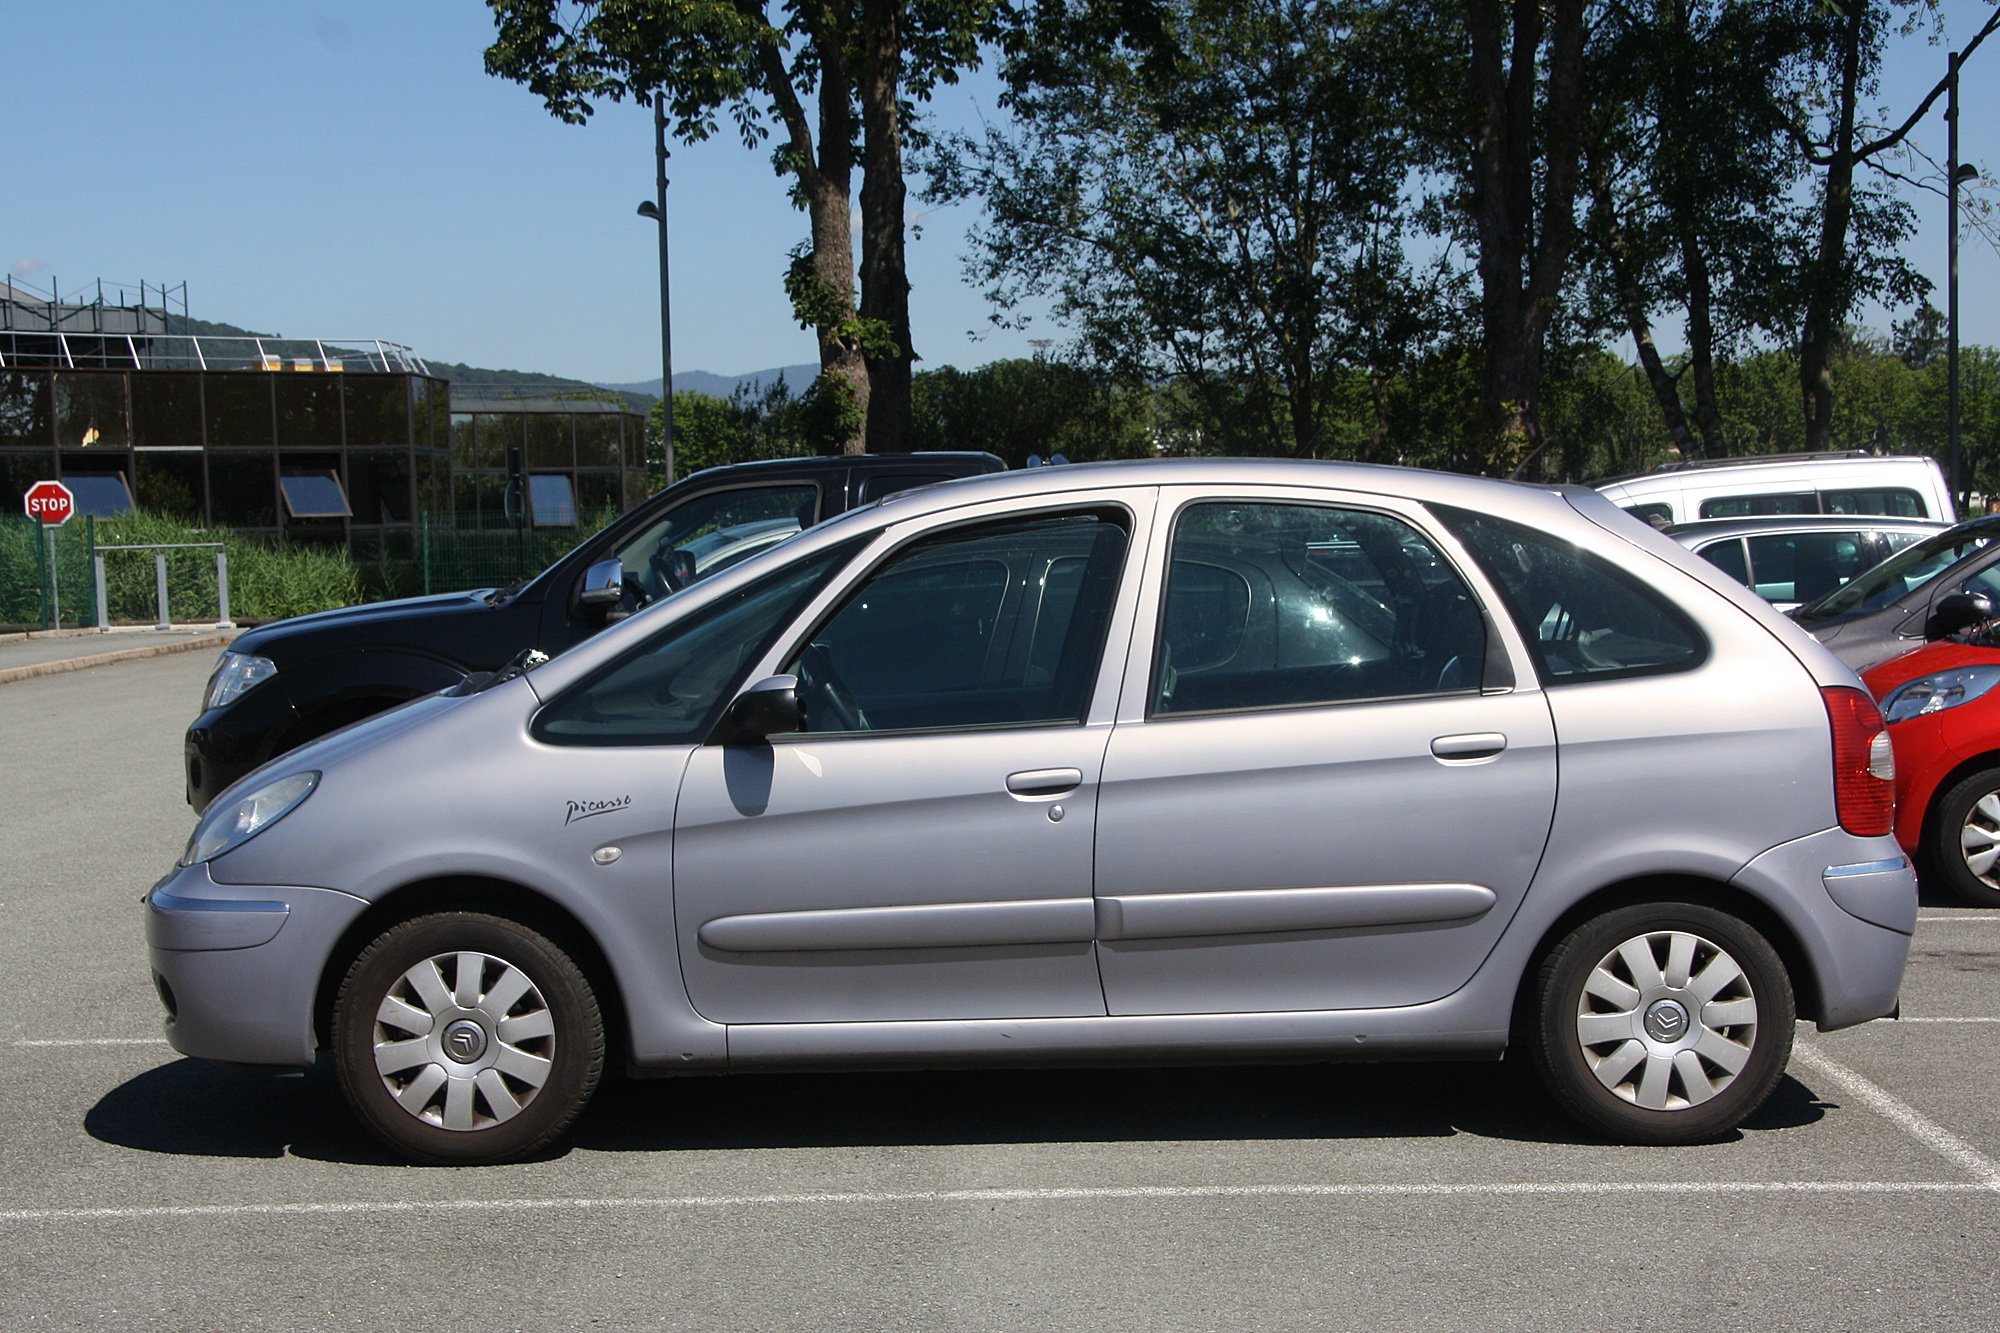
(1979, 840)
(1667, 1020)
(464, 1041)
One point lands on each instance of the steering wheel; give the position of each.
(672, 569)
(828, 705)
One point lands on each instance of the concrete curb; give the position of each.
(58, 667)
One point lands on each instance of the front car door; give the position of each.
(921, 849)
(1333, 773)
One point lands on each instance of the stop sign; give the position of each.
(50, 501)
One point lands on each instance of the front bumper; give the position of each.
(238, 966)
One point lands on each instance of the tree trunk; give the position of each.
(885, 283)
(1826, 300)
(1666, 388)
(1701, 344)
(1523, 248)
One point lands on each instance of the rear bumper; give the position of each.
(1852, 905)
(239, 966)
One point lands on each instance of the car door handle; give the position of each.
(1472, 745)
(1044, 781)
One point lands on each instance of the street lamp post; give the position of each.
(1954, 173)
(658, 213)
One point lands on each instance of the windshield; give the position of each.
(1902, 573)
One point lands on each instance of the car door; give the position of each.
(1332, 775)
(921, 848)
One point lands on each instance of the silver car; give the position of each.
(1158, 762)
(1793, 559)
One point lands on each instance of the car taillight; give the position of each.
(1864, 769)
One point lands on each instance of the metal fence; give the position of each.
(38, 592)
(457, 554)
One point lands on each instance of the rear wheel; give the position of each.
(1961, 844)
(462, 1038)
(1662, 1023)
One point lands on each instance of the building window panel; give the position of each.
(242, 489)
(90, 411)
(169, 482)
(597, 440)
(378, 408)
(380, 481)
(308, 410)
(238, 410)
(552, 501)
(548, 440)
(166, 410)
(317, 495)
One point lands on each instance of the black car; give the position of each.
(1941, 585)
(286, 683)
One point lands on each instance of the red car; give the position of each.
(1944, 723)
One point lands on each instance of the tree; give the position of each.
(1694, 184)
(1859, 226)
(1211, 193)
(763, 65)
(1020, 408)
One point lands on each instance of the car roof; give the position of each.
(1701, 529)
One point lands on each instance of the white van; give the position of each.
(1901, 486)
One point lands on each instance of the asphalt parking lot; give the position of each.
(143, 1191)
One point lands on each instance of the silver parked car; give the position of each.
(1160, 762)
(1789, 560)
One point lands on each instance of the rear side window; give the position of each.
(1800, 566)
(1583, 618)
(879, 484)
(1291, 605)
(1652, 513)
(1893, 501)
(1760, 506)
(1728, 557)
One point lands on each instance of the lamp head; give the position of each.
(1966, 172)
(649, 209)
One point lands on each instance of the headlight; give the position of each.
(225, 828)
(235, 673)
(1940, 690)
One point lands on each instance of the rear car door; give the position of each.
(921, 849)
(1333, 772)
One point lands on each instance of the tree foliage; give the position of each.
(1213, 193)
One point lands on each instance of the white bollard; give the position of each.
(222, 591)
(160, 580)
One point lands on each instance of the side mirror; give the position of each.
(603, 587)
(1959, 611)
(768, 708)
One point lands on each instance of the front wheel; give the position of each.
(1961, 843)
(1663, 1023)
(462, 1038)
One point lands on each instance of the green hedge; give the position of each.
(265, 582)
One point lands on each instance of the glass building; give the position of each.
(330, 443)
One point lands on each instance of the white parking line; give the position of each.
(1083, 1194)
(1907, 1019)
(1906, 1117)
(99, 1041)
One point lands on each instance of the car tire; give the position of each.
(1663, 1023)
(1968, 812)
(462, 1039)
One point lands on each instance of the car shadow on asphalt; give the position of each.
(189, 1108)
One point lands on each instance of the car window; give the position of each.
(1892, 501)
(1802, 566)
(1760, 506)
(1728, 557)
(879, 484)
(1903, 573)
(671, 688)
(707, 533)
(1651, 513)
(1285, 605)
(1986, 580)
(995, 625)
(1583, 618)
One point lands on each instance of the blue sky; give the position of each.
(349, 170)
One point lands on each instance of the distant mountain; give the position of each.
(721, 386)
(638, 397)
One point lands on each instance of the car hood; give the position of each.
(385, 623)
